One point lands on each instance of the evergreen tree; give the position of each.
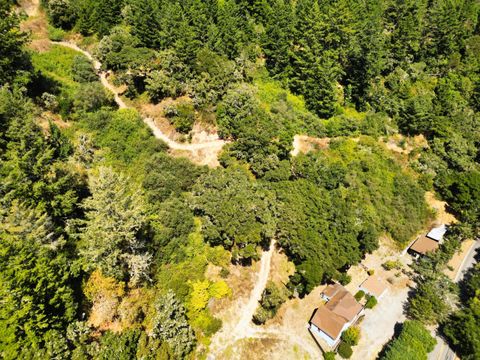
(110, 237)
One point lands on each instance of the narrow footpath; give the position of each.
(174, 145)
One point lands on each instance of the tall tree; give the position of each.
(110, 235)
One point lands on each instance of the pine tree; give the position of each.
(170, 325)
(109, 239)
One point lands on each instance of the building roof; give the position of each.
(327, 321)
(424, 245)
(340, 309)
(437, 233)
(374, 286)
(344, 304)
(332, 289)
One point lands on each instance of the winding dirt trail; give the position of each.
(214, 146)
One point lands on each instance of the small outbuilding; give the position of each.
(374, 286)
(437, 233)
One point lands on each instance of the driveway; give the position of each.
(378, 325)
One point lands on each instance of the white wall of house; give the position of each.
(331, 342)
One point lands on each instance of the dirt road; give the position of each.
(215, 145)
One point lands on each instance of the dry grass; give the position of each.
(304, 144)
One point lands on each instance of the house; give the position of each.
(374, 286)
(430, 242)
(423, 245)
(339, 312)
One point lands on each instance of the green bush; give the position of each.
(329, 355)
(359, 295)
(345, 350)
(370, 272)
(414, 342)
(371, 302)
(55, 34)
(392, 264)
(344, 278)
(351, 336)
(182, 116)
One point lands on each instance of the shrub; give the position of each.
(359, 295)
(413, 342)
(182, 116)
(83, 70)
(351, 336)
(392, 264)
(371, 302)
(345, 350)
(344, 278)
(370, 272)
(329, 355)
(91, 97)
(55, 34)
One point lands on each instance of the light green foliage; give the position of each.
(57, 64)
(414, 342)
(235, 211)
(351, 336)
(392, 264)
(196, 255)
(329, 355)
(170, 325)
(55, 34)
(359, 295)
(109, 237)
(182, 116)
(202, 292)
(129, 141)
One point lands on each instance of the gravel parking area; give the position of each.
(378, 325)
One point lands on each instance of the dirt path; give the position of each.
(30, 6)
(210, 145)
(243, 327)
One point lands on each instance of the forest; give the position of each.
(100, 223)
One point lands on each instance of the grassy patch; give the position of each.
(56, 64)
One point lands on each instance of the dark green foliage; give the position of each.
(33, 266)
(61, 13)
(371, 302)
(315, 211)
(83, 70)
(14, 60)
(235, 211)
(413, 343)
(359, 295)
(167, 176)
(182, 116)
(344, 350)
(122, 346)
(461, 328)
(272, 298)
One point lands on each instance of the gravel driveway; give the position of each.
(378, 325)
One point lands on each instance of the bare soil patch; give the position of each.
(304, 144)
